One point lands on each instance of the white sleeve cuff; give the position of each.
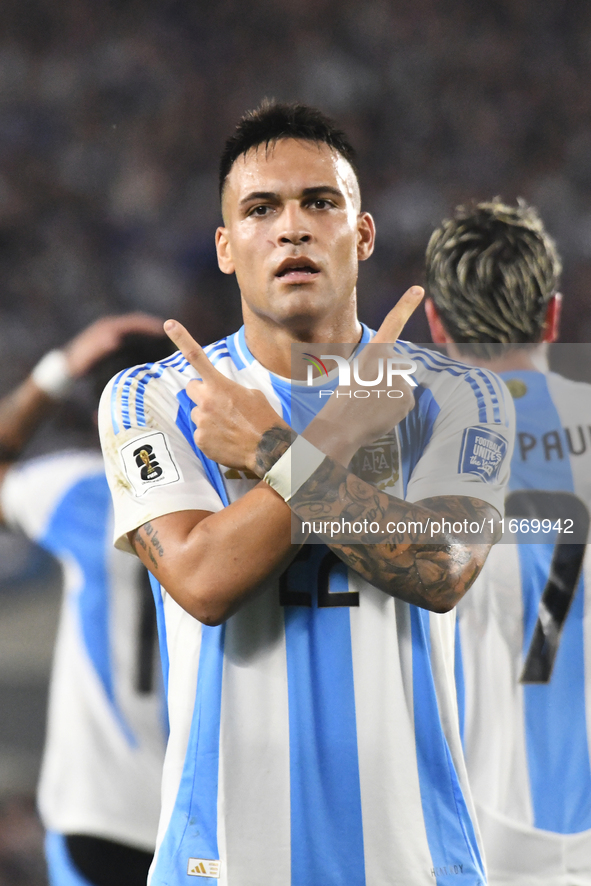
(51, 374)
(296, 465)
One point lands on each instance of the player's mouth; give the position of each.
(297, 270)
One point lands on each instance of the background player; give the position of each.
(313, 727)
(99, 790)
(492, 276)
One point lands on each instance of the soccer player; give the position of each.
(492, 276)
(99, 791)
(313, 724)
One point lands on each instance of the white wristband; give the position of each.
(296, 465)
(51, 374)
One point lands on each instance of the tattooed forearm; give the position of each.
(272, 446)
(432, 572)
(149, 542)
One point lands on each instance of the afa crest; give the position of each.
(379, 463)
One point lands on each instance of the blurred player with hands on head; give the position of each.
(99, 791)
(492, 277)
(313, 726)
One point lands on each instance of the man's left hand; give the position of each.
(230, 418)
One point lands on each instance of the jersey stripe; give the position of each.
(416, 430)
(239, 363)
(255, 704)
(392, 828)
(217, 351)
(173, 362)
(500, 393)
(63, 536)
(126, 394)
(215, 346)
(161, 624)
(220, 355)
(185, 423)
(192, 830)
(123, 389)
(557, 743)
(451, 838)
(472, 381)
(493, 394)
(113, 402)
(553, 774)
(242, 347)
(460, 682)
(323, 743)
(476, 378)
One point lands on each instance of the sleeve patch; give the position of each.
(148, 462)
(482, 453)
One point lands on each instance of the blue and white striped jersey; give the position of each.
(527, 745)
(105, 742)
(309, 742)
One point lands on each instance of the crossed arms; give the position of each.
(211, 563)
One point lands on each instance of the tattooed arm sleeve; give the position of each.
(400, 553)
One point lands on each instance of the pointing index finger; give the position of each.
(189, 348)
(395, 321)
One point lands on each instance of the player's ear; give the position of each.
(366, 235)
(224, 251)
(439, 334)
(551, 327)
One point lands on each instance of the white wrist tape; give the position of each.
(295, 466)
(52, 375)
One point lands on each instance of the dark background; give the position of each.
(112, 118)
(113, 115)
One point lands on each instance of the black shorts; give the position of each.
(106, 863)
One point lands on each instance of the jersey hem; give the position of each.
(117, 832)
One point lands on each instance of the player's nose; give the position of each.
(293, 227)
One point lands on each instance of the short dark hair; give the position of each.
(272, 121)
(491, 271)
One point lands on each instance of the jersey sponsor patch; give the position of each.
(204, 867)
(482, 453)
(148, 462)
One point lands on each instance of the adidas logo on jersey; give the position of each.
(203, 867)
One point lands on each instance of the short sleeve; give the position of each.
(151, 467)
(32, 490)
(466, 454)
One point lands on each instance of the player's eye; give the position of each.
(260, 211)
(320, 203)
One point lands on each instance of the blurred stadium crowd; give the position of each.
(112, 116)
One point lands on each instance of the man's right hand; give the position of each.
(347, 421)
